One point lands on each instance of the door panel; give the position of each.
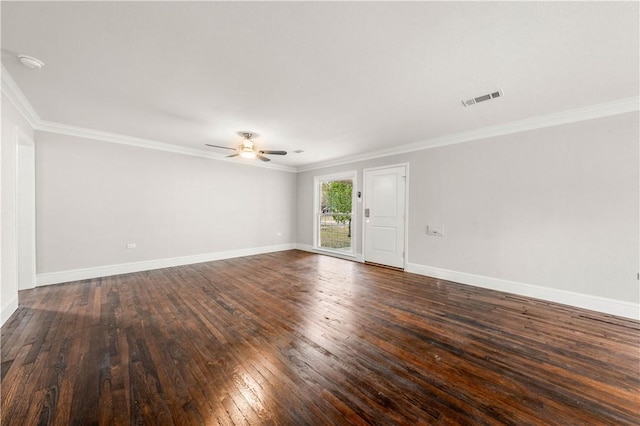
(384, 198)
(384, 239)
(385, 226)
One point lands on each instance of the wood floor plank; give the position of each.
(295, 338)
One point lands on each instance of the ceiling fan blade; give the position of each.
(218, 146)
(274, 152)
(261, 157)
(232, 155)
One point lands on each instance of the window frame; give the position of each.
(317, 181)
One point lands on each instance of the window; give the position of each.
(334, 202)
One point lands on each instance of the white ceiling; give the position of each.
(334, 79)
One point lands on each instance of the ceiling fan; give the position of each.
(248, 150)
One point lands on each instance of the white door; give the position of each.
(384, 211)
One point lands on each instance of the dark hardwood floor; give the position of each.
(295, 338)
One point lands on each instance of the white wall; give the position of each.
(551, 213)
(556, 207)
(554, 210)
(11, 119)
(93, 198)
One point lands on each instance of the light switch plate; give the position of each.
(437, 230)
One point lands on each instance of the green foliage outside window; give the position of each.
(338, 200)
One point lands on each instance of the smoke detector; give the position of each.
(31, 62)
(483, 98)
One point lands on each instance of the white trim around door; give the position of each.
(25, 210)
(385, 215)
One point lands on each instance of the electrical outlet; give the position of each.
(436, 230)
(131, 245)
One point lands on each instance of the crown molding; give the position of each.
(621, 106)
(22, 104)
(82, 132)
(591, 112)
(11, 90)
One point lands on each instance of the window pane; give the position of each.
(335, 215)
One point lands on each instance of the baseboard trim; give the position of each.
(580, 300)
(8, 309)
(304, 247)
(126, 268)
(310, 249)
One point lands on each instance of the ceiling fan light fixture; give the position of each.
(246, 150)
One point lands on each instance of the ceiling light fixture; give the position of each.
(246, 150)
(31, 62)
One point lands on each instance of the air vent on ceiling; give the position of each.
(483, 98)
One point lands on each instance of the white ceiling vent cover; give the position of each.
(483, 98)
